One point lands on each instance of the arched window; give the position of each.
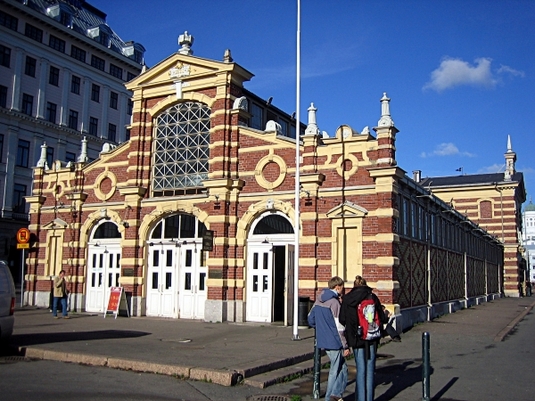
(178, 226)
(181, 150)
(273, 224)
(107, 230)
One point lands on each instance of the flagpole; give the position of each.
(297, 176)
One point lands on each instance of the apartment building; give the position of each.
(62, 79)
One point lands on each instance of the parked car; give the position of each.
(7, 302)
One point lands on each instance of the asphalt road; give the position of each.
(471, 367)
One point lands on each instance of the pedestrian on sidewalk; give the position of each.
(330, 336)
(365, 351)
(60, 295)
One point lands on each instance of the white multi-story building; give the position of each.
(62, 75)
(528, 239)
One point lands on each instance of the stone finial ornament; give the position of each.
(385, 120)
(186, 41)
(312, 127)
(227, 57)
(42, 158)
(83, 152)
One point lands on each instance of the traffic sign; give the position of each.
(23, 236)
(23, 246)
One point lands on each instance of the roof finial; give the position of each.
(185, 40)
(385, 120)
(312, 127)
(42, 159)
(83, 152)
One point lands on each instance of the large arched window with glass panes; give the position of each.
(181, 150)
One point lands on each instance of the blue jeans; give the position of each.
(63, 301)
(337, 381)
(364, 385)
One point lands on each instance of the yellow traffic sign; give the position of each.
(23, 246)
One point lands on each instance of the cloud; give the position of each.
(505, 69)
(495, 168)
(446, 149)
(456, 72)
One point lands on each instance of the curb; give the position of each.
(502, 334)
(222, 377)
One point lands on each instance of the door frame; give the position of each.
(275, 240)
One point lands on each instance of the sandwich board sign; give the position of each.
(116, 301)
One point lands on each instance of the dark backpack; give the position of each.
(369, 322)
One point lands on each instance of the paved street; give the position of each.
(469, 362)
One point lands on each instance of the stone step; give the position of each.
(283, 374)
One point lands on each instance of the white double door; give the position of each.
(103, 272)
(176, 283)
(261, 283)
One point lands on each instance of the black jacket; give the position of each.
(348, 314)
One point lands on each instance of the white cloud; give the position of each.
(456, 72)
(508, 70)
(446, 149)
(495, 168)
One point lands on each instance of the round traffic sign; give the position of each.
(23, 236)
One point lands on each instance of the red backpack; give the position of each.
(369, 322)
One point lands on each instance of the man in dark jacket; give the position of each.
(330, 336)
(365, 351)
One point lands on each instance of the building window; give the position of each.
(130, 76)
(9, 21)
(3, 96)
(33, 33)
(114, 100)
(130, 107)
(49, 156)
(23, 153)
(53, 76)
(73, 119)
(56, 43)
(1, 146)
(51, 109)
(93, 126)
(95, 93)
(116, 71)
(19, 203)
(98, 63)
(181, 149)
(112, 132)
(27, 104)
(78, 53)
(5, 56)
(127, 134)
(29, 68)
(257, 119)
(70, 157)
(75, 84)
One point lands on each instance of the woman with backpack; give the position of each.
(362, 315)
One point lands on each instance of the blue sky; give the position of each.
(460, 73)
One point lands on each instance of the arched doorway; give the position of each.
(103, 265)
(270, 269)
(176, 268)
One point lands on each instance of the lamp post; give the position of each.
(297, 175)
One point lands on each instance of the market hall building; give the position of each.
(206, 156)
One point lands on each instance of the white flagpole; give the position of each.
(297, 176)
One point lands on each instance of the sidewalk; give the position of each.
(225, 353)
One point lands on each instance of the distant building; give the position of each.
(62, 75)
(528, 239)
(194, 215)
(494, 202)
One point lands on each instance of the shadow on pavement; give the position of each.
(400, 375)
(47, 338)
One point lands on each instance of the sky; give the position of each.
(460, 73)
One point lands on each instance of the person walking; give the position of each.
(60, 295)
(330, 336)
(365, 351)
